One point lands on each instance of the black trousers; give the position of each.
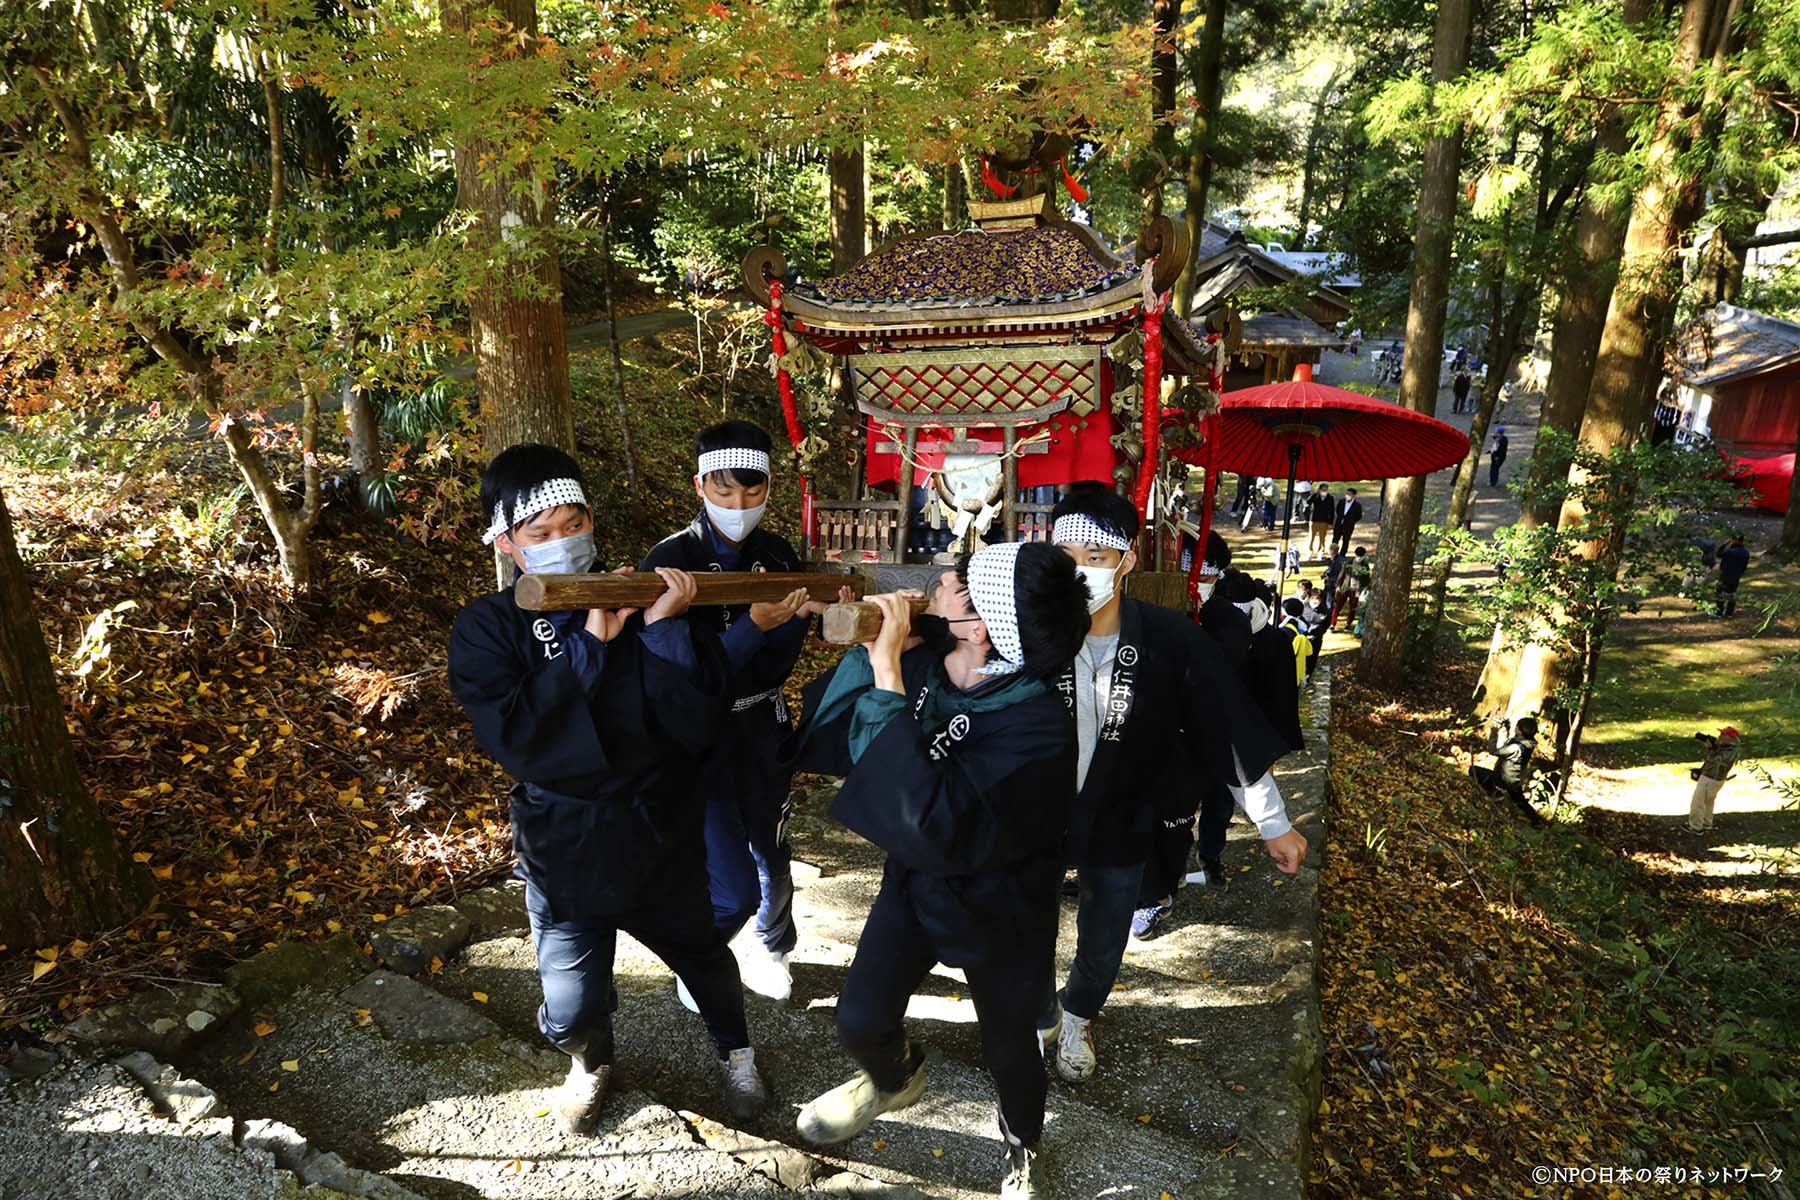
(1490, 782)
(575, 968)
(1169, 853)
(893, 957)
(1340, 539)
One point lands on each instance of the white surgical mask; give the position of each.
(1206, 591)
(735, 523)
(571, 555)
(1101, 583)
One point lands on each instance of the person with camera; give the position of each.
(1710, 776)
(1513, 743)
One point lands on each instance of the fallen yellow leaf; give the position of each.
(478, 997)
(48, 954)
(1143, 1118)
(936, 1153)
(276, 1086)
(264, 1028)
(41, 969)
(378, 618)
(290, 1064)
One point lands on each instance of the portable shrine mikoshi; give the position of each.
(989, 369)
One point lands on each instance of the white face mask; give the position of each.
(1206, 591)
(735, 524)
(571, 555)
(1101, 583)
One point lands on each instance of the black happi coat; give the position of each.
(1227, 625)
(971, 814)
(1176, 712)
(605, 804)
(1270, 676)
(743, 757)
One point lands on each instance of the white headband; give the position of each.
(552, 493)
(1083, 530)
(734, 459)
(991, 591)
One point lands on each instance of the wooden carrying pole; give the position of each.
(640, 589)
(858, 621)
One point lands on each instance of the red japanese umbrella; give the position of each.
(1303, 429)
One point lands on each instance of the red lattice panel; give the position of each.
(912, 385)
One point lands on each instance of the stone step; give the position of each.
(948, 1144)
(433, 1093)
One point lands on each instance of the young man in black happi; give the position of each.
(964, 771)
(1161, 718)
(600, 717)
(744, 786)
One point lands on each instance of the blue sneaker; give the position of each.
(1144, 921)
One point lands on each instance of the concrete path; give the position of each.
(343, 1070)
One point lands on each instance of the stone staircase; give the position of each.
(417, 1070)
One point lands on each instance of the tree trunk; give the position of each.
(1721, 273)
(956, 196)
(618, 365)
(516, 313)
(1022, 12)
(1205, 73)
(1623, 392)
(1384, 642)
(1309, 171)
(1586, 290)
(849, 206)
(362, 433)
(62, 870)
(1502, 350)
(1165, 73)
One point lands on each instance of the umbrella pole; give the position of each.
(1287, 521)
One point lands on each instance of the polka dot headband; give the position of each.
(1085, 531)
(552, 493)
(991, 591)
(734, 459)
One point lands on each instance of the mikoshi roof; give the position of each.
(1342, 435)
(1729, 343)
(976, 267)
(1050, 280)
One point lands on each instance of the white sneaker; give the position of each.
(849, 1108)
(577, 1102)
(1075, 1059)
(767, 974)
(1048, 1034)
(686, 997)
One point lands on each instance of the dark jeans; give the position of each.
(893, 957)
(575, 968)
(1102, 927)
(1495, 462)
(1490, 782)
(1340, 540)
(748, 864)
(1728, 597)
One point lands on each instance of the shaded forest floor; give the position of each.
(288, 768)
(1499, 998)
